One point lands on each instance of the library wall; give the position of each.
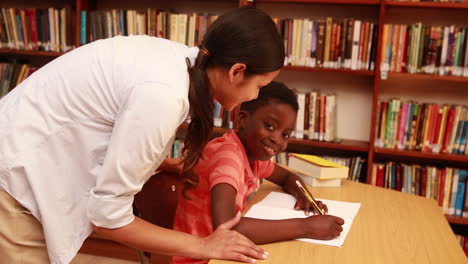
(353, 95)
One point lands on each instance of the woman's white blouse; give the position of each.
(80, 136)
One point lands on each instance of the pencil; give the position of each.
(311, 200)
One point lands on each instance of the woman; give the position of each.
(80, 137)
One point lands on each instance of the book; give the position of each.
(460, 195)
(317, 167)
(316, 182)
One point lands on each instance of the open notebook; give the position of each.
(281, 206)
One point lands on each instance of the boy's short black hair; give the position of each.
(274, 90)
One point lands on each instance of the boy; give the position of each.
(232, 166)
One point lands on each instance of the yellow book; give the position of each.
(317, 167)
(443, 126)
(447, 190)
(426, 125)
(384, 47)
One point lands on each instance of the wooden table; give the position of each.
(390, 227)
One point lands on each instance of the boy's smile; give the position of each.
(265, 132)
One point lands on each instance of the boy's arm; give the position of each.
(223, 208)
(287, 180)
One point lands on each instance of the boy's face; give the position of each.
(266, 132)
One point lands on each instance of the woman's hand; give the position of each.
(324, 227)
(230, 245)
(172, 165)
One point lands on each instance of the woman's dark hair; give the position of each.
(244, 35)
(272, 91)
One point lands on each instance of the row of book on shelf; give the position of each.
(422, 48)
(422, 126)
(47, 29)
(222, 117)
(445, 185)
(329, 43)
(316, 117)
(12, 74)
(184, 28)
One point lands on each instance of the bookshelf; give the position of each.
(427, 5)
(316, 69)
(388, 12)
(365, 88)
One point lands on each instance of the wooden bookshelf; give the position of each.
(333, 2)
(345, 145)
(459, 220)
(427, 4)
(428, 77)
(339, 71)
(50, 54)
(423, 155)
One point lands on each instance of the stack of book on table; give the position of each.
(317, 172)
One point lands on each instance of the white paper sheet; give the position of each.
(278, 206)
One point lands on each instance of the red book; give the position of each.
(405, 52)
(361, 45)
(422, 185)
(380, 175)
(31, 13)
(441, 186)
(306, 116)
(435, 137)
(332, 45)
(448, 129)
(26, 40)
(338, 43)
(398, 183)
(322, 117)
(465, 246)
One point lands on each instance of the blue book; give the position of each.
(278, 159)
(408, 178)
(461, 148)
(40, 29)
(175, 149)
(20, 32)
(83, 27)
(456, 143)
(412, 110)
(355, 169)
(460, 199)
(453, 193)
(393, 185)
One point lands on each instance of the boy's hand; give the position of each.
(323, 227)
(302, 203)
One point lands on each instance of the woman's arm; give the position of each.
(223, 197)
(222, 244)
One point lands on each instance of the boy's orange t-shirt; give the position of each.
(225, 161)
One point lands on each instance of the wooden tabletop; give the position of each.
(390, 227)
